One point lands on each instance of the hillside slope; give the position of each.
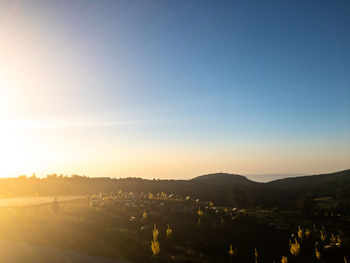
(303, 191)
(223, 179)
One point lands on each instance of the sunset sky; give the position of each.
(174, 89)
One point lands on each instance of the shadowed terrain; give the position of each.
(331, 191)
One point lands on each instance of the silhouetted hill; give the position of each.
(223, 179)
(328, 191)
(312, 179)
(304, 190)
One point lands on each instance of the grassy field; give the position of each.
(121, 226)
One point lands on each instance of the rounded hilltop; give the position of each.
(222, 179)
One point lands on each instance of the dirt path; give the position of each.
(13, 252)
(30, 201)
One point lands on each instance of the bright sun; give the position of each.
(12, 143)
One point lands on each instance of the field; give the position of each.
(122, 226)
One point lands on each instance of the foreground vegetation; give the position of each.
(149, 227)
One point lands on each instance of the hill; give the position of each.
(223, 179)
(304, 191)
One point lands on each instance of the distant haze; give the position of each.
(263, 178)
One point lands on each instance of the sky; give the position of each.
(174, 89)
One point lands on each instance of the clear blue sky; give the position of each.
(239, 86)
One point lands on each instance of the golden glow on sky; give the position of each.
(56, 116)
